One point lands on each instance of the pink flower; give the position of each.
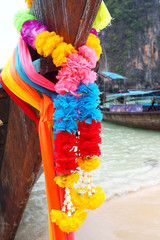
(76, 69)
(89, 54)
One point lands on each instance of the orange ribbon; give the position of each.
(45, 130)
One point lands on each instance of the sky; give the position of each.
(8, 35)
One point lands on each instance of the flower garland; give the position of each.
(68, 223)
(68, 112)
(77, 117)
(78, 68)
(67, 180)
(48, 43)
(89, 139)
(88, 103)
(88, 164)
(65, 154)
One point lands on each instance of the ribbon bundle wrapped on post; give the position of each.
(69, 118)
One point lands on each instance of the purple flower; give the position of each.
(94, 32)
(30, 30)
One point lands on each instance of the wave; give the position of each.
(130, 191)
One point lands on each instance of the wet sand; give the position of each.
(134, 216)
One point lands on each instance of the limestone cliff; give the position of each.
(132, 42)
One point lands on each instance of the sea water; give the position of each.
(130, 160)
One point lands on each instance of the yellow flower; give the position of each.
(94, 43)
(87, 202)
(51, 44)
(68, 224)
(41, 40)
(89, 164)
(62, 51)
(67, 180)
(48, 43)
(70, 49)
(78, 199)
(96, 199)
(56, 216)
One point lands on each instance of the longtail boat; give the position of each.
(20, 158)
(140, 109)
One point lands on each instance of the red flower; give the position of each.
(66, 166)
(89, 139)
(65, 153)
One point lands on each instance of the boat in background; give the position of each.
(139, 109)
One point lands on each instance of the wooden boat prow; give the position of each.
(71, 19)
(144, 120)
(20, 159)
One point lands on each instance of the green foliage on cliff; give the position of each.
(131, 19)
(129, 12)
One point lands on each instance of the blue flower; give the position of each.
(65, 114)
(88, 103)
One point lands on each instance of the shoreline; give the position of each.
(132, 216)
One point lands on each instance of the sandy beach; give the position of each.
(133, 216)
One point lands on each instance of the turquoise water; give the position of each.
(130, 160)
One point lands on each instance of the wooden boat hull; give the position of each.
(20, 159)
(20, 164)
(145, 120)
